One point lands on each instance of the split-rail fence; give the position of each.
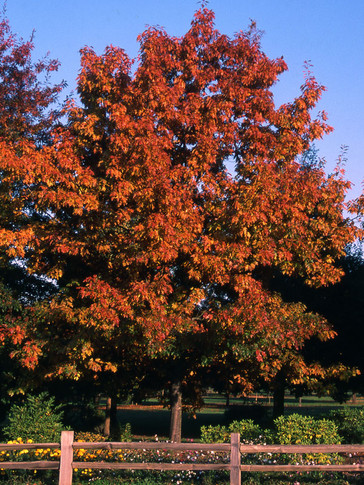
(66, 465)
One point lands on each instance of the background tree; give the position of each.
(154, 244)
(342, 305)
(27, 115)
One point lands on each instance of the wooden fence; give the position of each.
(66, 465)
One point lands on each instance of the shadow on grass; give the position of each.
(147, 423)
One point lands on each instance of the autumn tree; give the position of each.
(154, 243)
(27, 115)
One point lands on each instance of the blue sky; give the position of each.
(329, 33)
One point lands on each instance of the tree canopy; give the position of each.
(132, 207)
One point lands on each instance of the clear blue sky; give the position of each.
(329, 33)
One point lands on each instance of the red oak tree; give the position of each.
(154, 243)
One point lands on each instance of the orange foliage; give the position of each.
(147, 231)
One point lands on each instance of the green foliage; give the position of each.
(125, 433)
(214, 434)
(249, 432)
(350, 423)
(208, 478)
(299, 478)
(305, 430)
(38, 419)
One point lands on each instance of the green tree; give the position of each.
(342, 306)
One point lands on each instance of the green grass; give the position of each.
(217, 400)
(146, 423)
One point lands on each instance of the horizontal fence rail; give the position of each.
(29, 465)
(235, 449)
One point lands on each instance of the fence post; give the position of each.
(65, 466)
(235, 474)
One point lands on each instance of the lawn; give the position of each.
(149, 419)
(146, 423)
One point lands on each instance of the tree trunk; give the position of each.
(110, 424)
(114, 423)
(175, 432)
(278, 395)
(107, 423)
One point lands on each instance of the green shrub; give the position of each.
(37, 419)
(249, 432)
(214, 434)
(350, 423)
(306, 430)
(125, 433)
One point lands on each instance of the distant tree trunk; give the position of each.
(175, 433)
(278, 394)
(114, 423)
(110, 415)
(107, 423)
(227, 402)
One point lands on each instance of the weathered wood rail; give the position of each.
(66, 465)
